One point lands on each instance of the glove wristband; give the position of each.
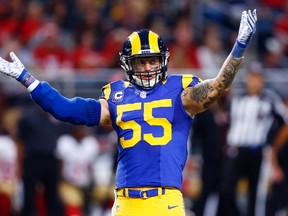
(26, 78)
(241, 44)
(238, 50)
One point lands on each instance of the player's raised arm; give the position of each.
(77, 110)
(200, 97)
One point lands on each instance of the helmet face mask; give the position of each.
(147, 78)
(140, 46)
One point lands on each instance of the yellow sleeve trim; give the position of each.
(186, 80)
(107, 91)
(126, 84)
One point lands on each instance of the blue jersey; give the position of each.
(152, 128)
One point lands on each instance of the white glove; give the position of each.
(247, 27)
(14, 68)
(17, 70)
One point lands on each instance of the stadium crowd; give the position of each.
(58, 38)
(68, 34)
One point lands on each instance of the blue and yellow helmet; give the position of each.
(141, 44)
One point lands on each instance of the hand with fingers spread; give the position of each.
(246, 30)
(14, 68)
(247, 27)
(17, 70)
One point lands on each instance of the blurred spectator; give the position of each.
(8, 175)
(280, 23)
(211, 53)
(264, 28)
(208, 140)
(88, 18)
(183, 47)
(275, 4)
(159, 18)
(63, 12)
(102, 17)
(3, 108)
(274, 57)
(252, 115)
(113, 42)
(277, 202)
(50, 53)
(192, 183)
(9, 23)
(86, 55)
(12, 43)
(38, 133)
(32, 22)
(218, 13)
(77, 151)
(280, 29)
(104, 168)
(10, 186)
(137, 11)
(160, 24)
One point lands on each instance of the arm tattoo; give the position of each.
(185, 92)
(201, 93)
(230, 71)
(208, 92)
(227, 74)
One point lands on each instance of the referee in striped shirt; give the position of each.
(253, 114)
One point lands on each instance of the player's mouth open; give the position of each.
(146, 76)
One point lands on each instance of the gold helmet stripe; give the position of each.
(153, 42)
(135, 43)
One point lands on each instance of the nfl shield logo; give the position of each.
(143, 94)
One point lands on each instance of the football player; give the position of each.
(151, 113)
